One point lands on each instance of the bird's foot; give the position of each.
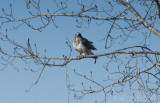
(81, 56)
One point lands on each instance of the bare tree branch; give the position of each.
(140, 19)
(126, 67)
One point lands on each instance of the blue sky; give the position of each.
(51, 88)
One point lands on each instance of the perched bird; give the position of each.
(83, 46)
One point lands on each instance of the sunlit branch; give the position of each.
(140, 19)
(128, 79)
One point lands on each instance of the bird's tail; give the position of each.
(91, 53)
(95, 60)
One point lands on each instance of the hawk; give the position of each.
(83, 46)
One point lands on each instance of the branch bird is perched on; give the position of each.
(83, 46)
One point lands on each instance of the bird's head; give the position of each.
(78, 35)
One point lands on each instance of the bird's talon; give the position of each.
(79, 56)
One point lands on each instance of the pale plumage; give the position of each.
(83, 46)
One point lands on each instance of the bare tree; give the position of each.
(135, 65)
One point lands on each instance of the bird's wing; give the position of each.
(88, 44)
(87, 41)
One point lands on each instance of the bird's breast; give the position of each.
(79, 47)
